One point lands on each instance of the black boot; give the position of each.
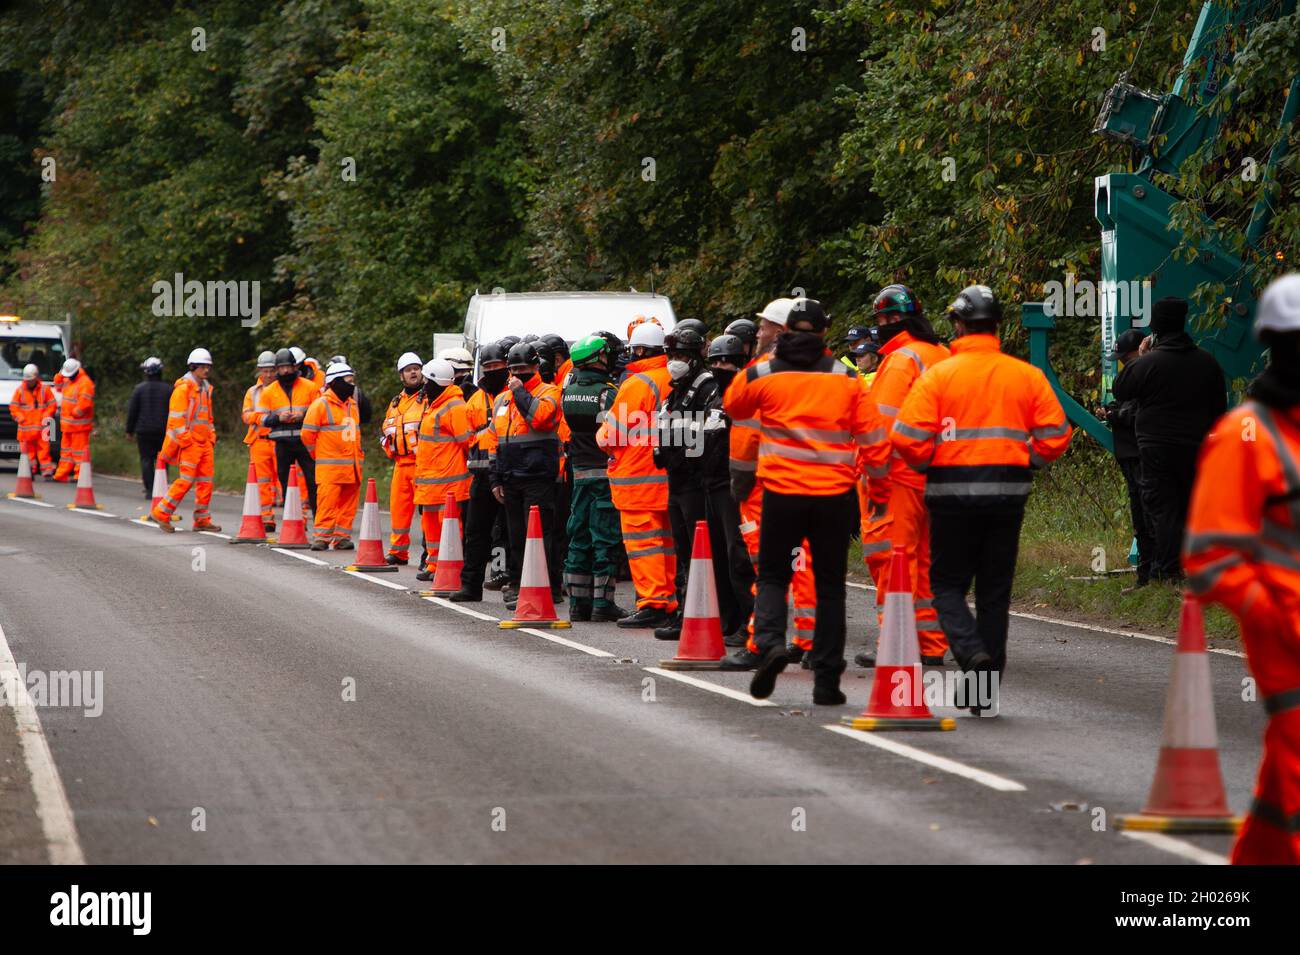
(464, 596)
(742, 659)
(865, 659)
(580, 612)
(608, 612)
(764, 681)
(647, 618)
(671, 630)
(496, 581)
(826, 686)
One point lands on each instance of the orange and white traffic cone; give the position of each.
(85, 498)
(293, 529)
(24, 487)
(251, 529)
(700, 645)
(451, 554)
(160, 486)
(370, 546)
(535, 607)
(1187, 794)
(897, 700)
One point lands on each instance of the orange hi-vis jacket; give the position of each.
(189, 415)
(976, 423)
(744, 438)
(817, 428)
(401, 431)
(30, 408)
(478, 411)
(904, 359)
(76, 403)
(440, 458)
(628, 434)
(276, 402)
(527, 432)
(254, 413)
(332, 433)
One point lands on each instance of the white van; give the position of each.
(573, 315)
(22, 342)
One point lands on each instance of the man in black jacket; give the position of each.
(1180, 392)
(732, 568)
(1120, 416)
(146, 418)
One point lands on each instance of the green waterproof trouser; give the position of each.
(594, 544)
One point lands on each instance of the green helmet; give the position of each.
(588, 349)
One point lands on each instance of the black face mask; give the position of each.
(411, 389)
(723, 376)
(547, 371)
(287, 379)
(343, 389)
(432, 389)
(524, 376)
(493, 381)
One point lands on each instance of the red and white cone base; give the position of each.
(535, 608)
(700, 646)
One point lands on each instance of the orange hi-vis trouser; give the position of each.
(196, 472)
(261, 453)
(648, 537)
(431, 527)
(74, 447)
(802, 584)
(401, 507)
(336, 509)
(910, 529)
(37, 449)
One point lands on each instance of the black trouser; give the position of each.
(521, 496)
(1132, 470)
(787, 520)
(974, 544)
(150, 446)
(481, 521)
(559, 548)
(735, 601)
(287, 451)
(685, 507)
(1168, 473)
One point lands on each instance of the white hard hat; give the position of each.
(266, 359)
(440, 371)
(299, 356)
(460, 358)
(408, 359)
(30, 372)
(71, 367)
(151, 364)
(338, 370)
(200, 356)
(1279, 306)
(647, 334)
(777, 310)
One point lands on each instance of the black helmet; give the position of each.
(544, 351)
(492, 351)
(694, 324)
(895, 301)
(684, 340)
(559, 347)
(745, 330)
(285, 357)
(728, 348)
(615, 344)
(522, 353)
(509, 342)
(530, 337)
(975, 303)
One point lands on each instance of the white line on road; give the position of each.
(28, 500)
(556, 638)
(375, 580)
(52, 806)
(224, 537)
(444, 602)
(711, 687)
(1000, 783)
(294, 553)
(1178, 847)
(84, 510)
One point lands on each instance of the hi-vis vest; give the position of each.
(189, 412)
(332, 433)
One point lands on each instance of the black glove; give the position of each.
(742, 484)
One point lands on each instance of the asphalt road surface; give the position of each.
(261, 707)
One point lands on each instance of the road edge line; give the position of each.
(1178, 847)
(726, 691)
(942, 763)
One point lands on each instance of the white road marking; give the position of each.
(83, 510)
(52, 806)
(444, 602)
(294, 553)
(1177, 846)
(556, 638)
(28, 500)
(375, 580)
(225, 537)
(943, 763)
(711, 687)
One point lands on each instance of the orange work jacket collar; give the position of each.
(647, 364)
(331, 398)
(898, 341)
(452, 392)
(975, 343)
(202, 385)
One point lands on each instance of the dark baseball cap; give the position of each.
(1127, 342)
(859, 332)
(808, 310)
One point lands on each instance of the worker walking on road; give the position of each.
(331, 433)
(978, 424)
(32, 408)
(399, 439)
(638, 488)
(75, 393)
(146, 418)
(440, 460)
(1243, 551)
(286, 401)
(191, 438)
(261, 449)
(594, 542)
(485, 511)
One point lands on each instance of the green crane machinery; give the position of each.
(1166, 131)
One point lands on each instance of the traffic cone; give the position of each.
(160, 483)
(24, 486)
(700, 645)
(251, 530)
(535, 607)
(451, 556)
(85, 490)
(897, 693)
(370, 546)
(293, 529)
(1187, 794)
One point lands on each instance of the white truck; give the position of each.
(24, 341)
